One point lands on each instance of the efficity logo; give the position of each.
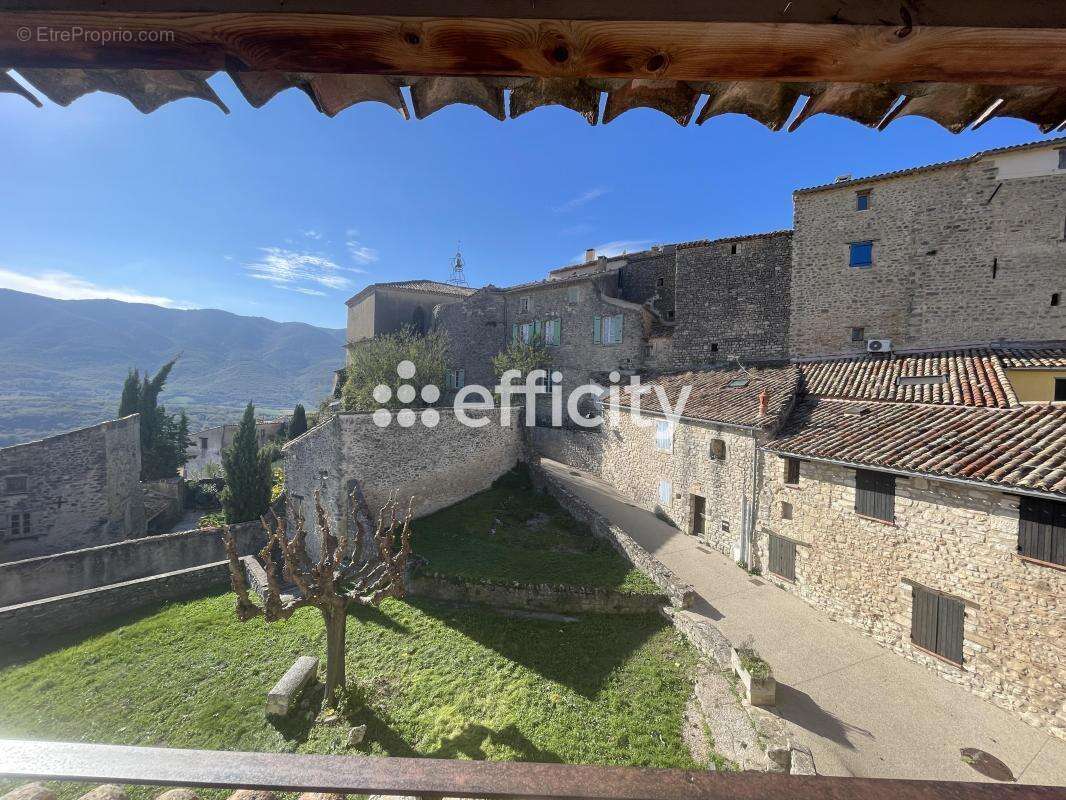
(583, 406)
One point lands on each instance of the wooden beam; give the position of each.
(953, 13)
(691, 51)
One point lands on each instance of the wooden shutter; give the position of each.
(875, 495)
(923, 618)
(950, 613)
(1042, 530)
(782, 557)
(597, 332)
(792, 471)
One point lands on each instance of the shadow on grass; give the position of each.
(51, 642)
(579, 655)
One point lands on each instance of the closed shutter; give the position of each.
(923, 618)
(538, 329)
(1042, 530)
(558, 325)
(514, 332)
(950, 614)
(783, 557)
(597, 332)
(875, 495)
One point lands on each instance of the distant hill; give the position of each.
(62, 362)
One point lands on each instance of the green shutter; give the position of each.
(514, 332)
(619, 332)
(596, 332)
(558, 325)
(538, 329)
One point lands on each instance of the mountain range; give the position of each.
(62, 362)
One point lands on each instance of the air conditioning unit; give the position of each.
(878, 345)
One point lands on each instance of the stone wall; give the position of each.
(29, 622)
(955, 540)
(77, 570)
(438, 466)
(534, 597)
(732, 304)
(650, 273)
(82, 489)
(961, 254)
(477, 329)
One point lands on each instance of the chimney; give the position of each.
(590, 255)
(764, 403)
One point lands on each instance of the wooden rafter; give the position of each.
(655, 49)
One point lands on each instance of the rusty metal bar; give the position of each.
(66, 761)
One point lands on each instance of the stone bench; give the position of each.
(281, 697)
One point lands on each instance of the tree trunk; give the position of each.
(336, 625)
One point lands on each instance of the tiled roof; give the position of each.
(1021, 448)
(742, 238)
(899, 173)
(973, 377)
(714, 400)
(434, 287)
(1034, 357)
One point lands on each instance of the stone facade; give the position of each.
(438, 466)
(74, 490)
(952, 539)
(205, 450)
(477, 330)
(387, 308)
(963, 253)
(734, 300)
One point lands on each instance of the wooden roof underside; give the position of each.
(958, 62)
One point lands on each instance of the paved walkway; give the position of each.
(863, 710)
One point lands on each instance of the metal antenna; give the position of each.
(458, 276)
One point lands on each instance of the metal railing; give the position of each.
(434, 778)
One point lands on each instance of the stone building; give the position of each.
(953, 253)
(73, 490)
(206, 446)
(382, 308)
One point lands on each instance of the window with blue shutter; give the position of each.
(862, 254)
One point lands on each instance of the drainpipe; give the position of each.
(753, 506)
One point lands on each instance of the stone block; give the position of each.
(757, 691)
(280, 698)
(30, 791)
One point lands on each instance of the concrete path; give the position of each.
(863, 710)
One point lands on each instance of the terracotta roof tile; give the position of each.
(1018, 448)
(714, 400)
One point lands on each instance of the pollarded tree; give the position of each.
(339, 578)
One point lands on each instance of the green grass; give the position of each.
(428, 680)
(513, 533)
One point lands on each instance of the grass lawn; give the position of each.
(513, 533)
(429, 680)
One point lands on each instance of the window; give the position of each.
(607, 330)
(553, 332)
(792, 471)
(1042, 530)
(203, 443)
(526, 332)
(1055, 299)
(862, 200)
(455, 379)
(786, 510)
(1060, 390)
(524, 305)
(782, 557)
(665, 492)
(573, 294)
(1062, 158)
(660, 281)
(936, 623)
(16, 484)
(717, 449)
(20, 526)
(734, 249)
(862, 254)
(858, 334)
(875, 495)
(664, 436)
(995, 267)
(725, 526)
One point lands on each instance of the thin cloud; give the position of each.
(581, 199)
(64, 286)
(293, 270)
(312, 234)
(618, 247)
(361, 253)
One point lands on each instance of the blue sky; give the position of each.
(283, 213)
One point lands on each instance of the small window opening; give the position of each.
(858, 334)
(862, 200)
(660, 282)
(734, 249)
(786, 510)
(714, 347)
(1055, 299)
(717, 449)
(995, 267)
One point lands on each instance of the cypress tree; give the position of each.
(246, 496)
(298, 426)
(131, 395)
